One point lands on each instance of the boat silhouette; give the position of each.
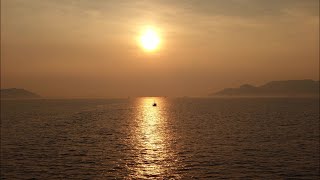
(154, 103)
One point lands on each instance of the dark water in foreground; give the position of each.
(179, 139)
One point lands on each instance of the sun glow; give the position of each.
(149, 39)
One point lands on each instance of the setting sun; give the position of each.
(149, 39)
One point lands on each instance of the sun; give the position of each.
(149, 39)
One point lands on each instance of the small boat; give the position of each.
(154, 104)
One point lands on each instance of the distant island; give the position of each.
(274, 88)
(14, 93)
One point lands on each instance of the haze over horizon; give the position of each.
(89, 48)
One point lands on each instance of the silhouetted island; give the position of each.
(14, 93)
(274, 88)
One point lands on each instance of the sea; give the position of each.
(180, 138)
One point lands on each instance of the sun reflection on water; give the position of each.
(152, 139)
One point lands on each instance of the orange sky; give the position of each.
(88, 48)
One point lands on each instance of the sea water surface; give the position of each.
(186, 138)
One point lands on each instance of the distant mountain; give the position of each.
(275, 88)
(14, 93)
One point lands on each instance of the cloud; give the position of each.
(245, 8)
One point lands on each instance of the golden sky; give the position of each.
(89, 48)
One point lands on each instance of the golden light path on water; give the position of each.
(153, 139)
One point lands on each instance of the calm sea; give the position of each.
(246, 138)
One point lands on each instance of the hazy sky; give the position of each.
(89, 48)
